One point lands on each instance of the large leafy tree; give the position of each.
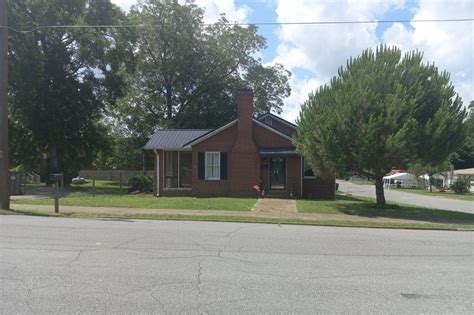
(188, 73)
(464, 156)
(381, 110)
(61, 79)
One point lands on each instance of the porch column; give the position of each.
(157, 173)
(301, 176)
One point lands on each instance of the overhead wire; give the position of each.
(42, 27)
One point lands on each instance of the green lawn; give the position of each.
(148, 202)
(447, 194)
(365, 207)
(109, 194)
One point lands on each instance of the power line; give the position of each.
(41, 27)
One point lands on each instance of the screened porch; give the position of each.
(177, 170)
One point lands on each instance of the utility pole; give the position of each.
(4, 164)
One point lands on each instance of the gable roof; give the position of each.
(185, 138)
(173, 138)
(216, 131)
(272, 129)
(278, 118)
(209, 134)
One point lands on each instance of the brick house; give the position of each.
(233, 159)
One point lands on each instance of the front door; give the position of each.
(277, 173)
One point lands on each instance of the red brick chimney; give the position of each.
(244, 116)
(245, 157)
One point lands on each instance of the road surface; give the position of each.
(409, 198)
(64, 266)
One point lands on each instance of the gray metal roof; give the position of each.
(173, 138)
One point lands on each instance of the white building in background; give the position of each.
(467, 173)
(404, 180)
(407, 180)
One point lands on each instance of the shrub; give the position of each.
(142, 183)
(461, 186)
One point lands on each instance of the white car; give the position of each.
(78, 180)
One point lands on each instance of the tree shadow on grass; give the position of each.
(366, 208)
(350, 198)
(61, 215)
(26, 212)
(88, 191)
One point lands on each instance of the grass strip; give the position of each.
(149, 202)
(365, 207)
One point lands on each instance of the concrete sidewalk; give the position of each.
(257, 214)
(409, 198)
(275, 205)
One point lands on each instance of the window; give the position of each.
(308, 172)
(213, 167)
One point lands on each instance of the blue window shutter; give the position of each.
(223, 165)
(201, 165)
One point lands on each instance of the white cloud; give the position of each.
(301, 90)
(213, 9)
(321, 49)
(449, 45)
(124, 4)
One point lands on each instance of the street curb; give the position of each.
(203, 218)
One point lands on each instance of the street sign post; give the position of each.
(4, 162)
(58, 180)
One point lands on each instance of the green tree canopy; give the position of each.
(60, 80)
(464, 156)
(382, 110)
(188, 73)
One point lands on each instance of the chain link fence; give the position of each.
(112, 175)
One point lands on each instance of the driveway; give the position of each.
(408, 198)
(69, 266)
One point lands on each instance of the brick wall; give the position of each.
(266, 138)
(220, 142)
(244, 160)
(242, 141)
(293, 173)
(278, 125)
(244, 166)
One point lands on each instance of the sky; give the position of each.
(313, 53)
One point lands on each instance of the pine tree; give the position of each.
(381, 110)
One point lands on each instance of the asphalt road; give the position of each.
(59, 265)
(409, 198)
